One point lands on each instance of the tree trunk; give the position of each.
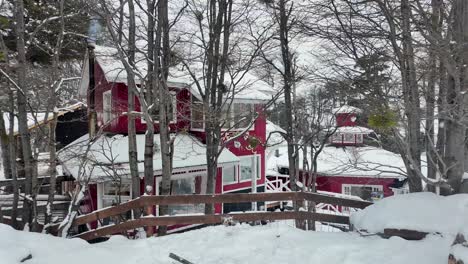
(457, 87)
(430, 100)
(14, 172)
(132, 143)
(162, 33)
(411, 97)
(149, 96)
(29, 171)
(4, 143)
(53, 123)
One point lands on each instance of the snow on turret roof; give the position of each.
(354, 130)
(346, 109)
(109, 155)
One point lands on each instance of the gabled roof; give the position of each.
(109, 155)
(39, 118)
(346, 109)
(247, 86)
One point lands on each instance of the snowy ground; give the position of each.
(274, 243)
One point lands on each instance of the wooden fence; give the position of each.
(145, 202)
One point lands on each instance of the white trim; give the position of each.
(191, 116)
(107, 114)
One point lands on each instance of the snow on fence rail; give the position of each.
(146, 202)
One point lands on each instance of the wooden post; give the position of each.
(149, 229)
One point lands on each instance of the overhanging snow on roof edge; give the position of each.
(107, 157)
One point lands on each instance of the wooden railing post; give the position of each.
(149, 229)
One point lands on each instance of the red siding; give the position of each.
(119, 106)
(334, 183)
(345, 119)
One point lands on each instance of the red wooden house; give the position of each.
(346, 165)
(104, 165)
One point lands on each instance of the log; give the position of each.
(179, 259)
(404, 233)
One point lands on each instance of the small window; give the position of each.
(107, 106)
(359, 138)
(229, 174)
(349, 138)
(337, 137)
(198, 118)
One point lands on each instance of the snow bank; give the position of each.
(418, 211)
(273, 243)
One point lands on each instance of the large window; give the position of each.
(365, 192)
(230, 174)
(249, 167)
(190, 185)
(107, 106)
(115, 193)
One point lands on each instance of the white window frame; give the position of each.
(107, 114)
(174, 111)
(378, 188)
(236, 173)
(257, 160)
(191, 117)
(337, 138)
(359, 138)
(101, 196)
(178, 177)
(353, 140)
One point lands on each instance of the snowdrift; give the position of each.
(274, 243)
(425, 212)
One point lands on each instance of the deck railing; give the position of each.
(148, 203)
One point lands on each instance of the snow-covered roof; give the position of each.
(348, 161)
(354, 130)
(113, 149)
(244, 86)
(38, 118)
(273, 133)
(346, 109)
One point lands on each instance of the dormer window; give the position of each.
(238, 116)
